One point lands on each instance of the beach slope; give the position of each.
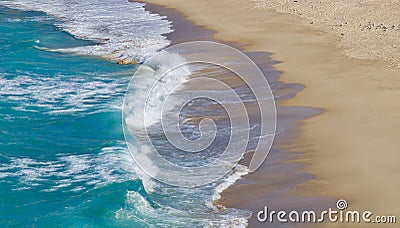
(352, 148)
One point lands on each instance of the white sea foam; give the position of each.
(35, 18)
(139, 209)
(190, 211)
(123, 30)
(114, 164)
(71, 172)
(149, 76)
(62, 95)
(237, 173)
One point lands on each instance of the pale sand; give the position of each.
(353, 148)
(366, 29)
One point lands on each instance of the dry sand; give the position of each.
(352, 149)
(366, 29)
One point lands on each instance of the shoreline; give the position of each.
(351, 148)
(280, 160)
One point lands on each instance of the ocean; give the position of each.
(64, 161)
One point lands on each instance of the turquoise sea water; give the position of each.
(63, 158)
(61, 142)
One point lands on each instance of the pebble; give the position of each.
(382, 26)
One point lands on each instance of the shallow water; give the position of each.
(63, 158)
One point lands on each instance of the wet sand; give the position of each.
(283, 170)
(348, 151)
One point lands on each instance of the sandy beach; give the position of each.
(345, 54)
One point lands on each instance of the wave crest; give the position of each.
(123, 31)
